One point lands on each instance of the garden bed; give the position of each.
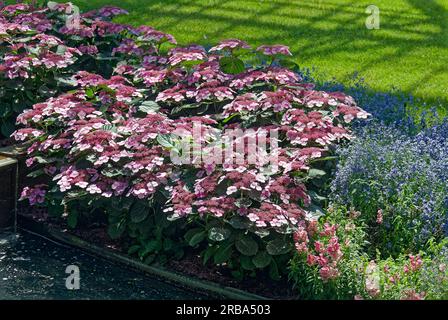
(197, 277)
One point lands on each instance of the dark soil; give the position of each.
(191, 264)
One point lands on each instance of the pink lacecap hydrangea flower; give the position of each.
(271, 50)
(230, 44)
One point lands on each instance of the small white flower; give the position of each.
(231, 189)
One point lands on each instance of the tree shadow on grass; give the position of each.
(313, 30)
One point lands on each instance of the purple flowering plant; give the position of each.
(399, 183)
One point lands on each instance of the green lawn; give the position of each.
(410, 51)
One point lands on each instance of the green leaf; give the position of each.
(239, 222)
(315, 212)
(72, 219)
(116, 230)
(316, 197)
(262, 259)
(7, 128)
(290, 64)
(150, 259)
(61, 49)
(241, 52)
(243, 203)
(90, 93)
(139, 212)
(168, 244)
(5, 110)
(197, 238)
(149, 107)
(231, 65)
(27, 39)
(112, 172)
(66, 81)
(223, 253)
(262, 233)
(278, 246)
(145, 228)
(35, 173)
(329, 158)
(150, 247)
(208, 253)
(42, 160)
(238, 274)
(190, 63)
(190, 233)
(246, 263)
(273, 271)
(313, 173)
(76, 38)
(133, 249)
(164, 141)
(52, 4)
(178, 109)
(162, 259)
(83, 163)
(179, 253)
(19, 106)
(102, 57)
(160, 217)
(247, 246)
(219, 234)
(109, 127)
(230, 118)
(55, 209)
(125, 203)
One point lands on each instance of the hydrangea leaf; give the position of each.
(277, 247)
(247, 246)
(219, 234)
(231, 65)
(262, 259)
(138, 212)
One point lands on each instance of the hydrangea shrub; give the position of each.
(111, 138)
(39, 53)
